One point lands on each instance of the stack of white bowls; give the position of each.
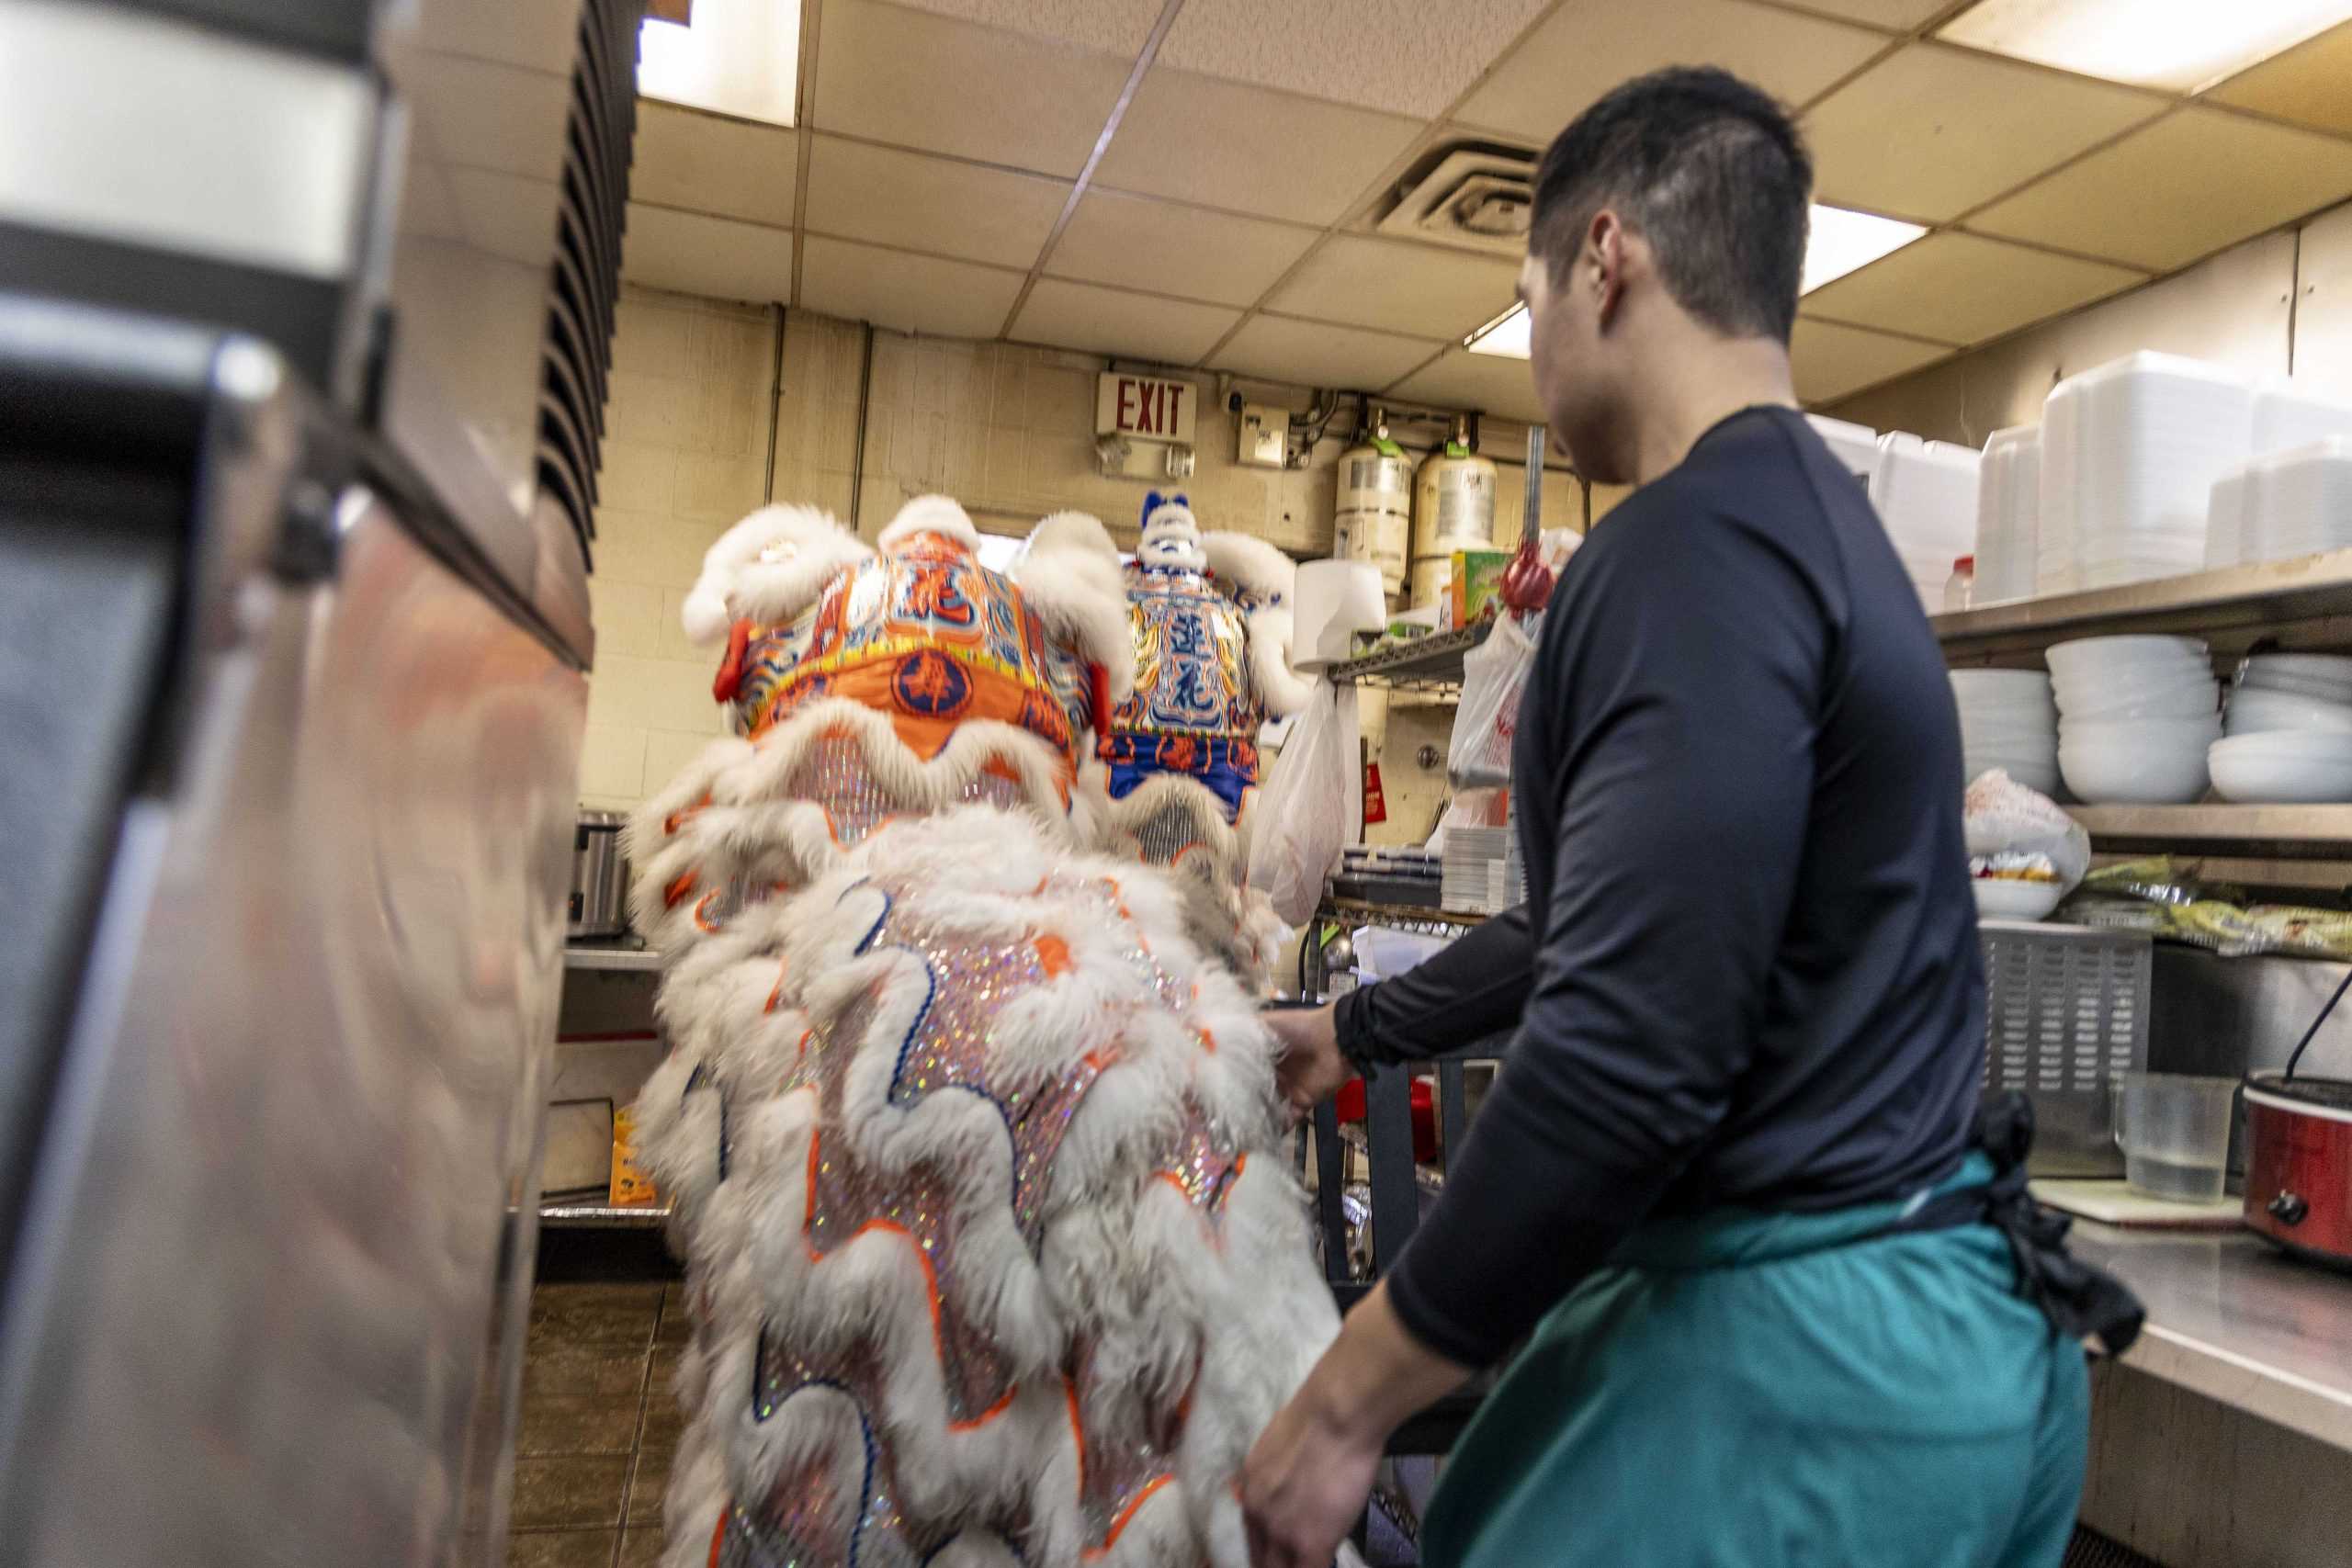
(2289, 731)
(2009, 720)
(2136, 717)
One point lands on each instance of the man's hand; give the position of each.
(1304, 1484)
(1305, 1481)
(1311, 1068)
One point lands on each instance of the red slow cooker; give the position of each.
(2299, 1164)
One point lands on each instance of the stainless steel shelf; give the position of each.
(2253, 832)
(601, 1216)
(586, 955)
(2234, 1319)
(2306, 602)
(1430, 663)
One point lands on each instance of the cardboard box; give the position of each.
(1477, 587)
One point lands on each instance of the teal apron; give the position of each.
(1757, 1390)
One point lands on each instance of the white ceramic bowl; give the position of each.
(2247, 771)
(2334, 668)
(2149, 734)
(2254, 711)
(2318, 744)
(2296, 686)
(2110, 773)
(2186, 699)
(2102, 658)
(2000, 898)
(2000, 687)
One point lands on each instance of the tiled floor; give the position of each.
(598, 1428)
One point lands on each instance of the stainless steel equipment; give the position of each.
(599, 905)
(293, 640)
(2066, 1012)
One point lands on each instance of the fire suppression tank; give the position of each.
(1374, 516)
(1454, 509)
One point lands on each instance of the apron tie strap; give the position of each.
(2080, 1300)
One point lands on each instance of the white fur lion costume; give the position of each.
(973, 1156)
(1211, 621)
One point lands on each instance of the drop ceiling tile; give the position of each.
(931, 203)
(1398, 288)
(1587, 47)
(2187, 185)
(1311, 353)
(731, 168)
(1112, 321)
(696, 253)
(1898, 15)
(1482, 381)
(1169, 249)
(1249, 148)
(915, 294)
(2310, 82)
(1115, 26)
(1962, 289)
(1831, 361)
(1934, 132)
(916, 79)
(1402, 55)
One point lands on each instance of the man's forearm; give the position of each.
(1376, 1375)
(1473, 988)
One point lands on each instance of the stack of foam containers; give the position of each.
(2298, 502)
(2287, 418)
(2130, 454)
(1925, 494)
(1854, 445)
(2008, 506)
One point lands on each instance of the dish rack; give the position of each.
(2066, 1014)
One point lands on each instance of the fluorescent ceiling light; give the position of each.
(2186, 45)
(1506, 334)
(741, 57)
(1841, 242)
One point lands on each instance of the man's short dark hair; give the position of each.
(1710, 171)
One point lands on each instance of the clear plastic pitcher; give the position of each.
(2174, 1134)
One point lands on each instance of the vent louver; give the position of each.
(1477, 195)
(577, 353)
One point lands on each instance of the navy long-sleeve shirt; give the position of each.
(1746, 973)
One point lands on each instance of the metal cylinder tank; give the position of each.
(1374, 520)
(1454, 509)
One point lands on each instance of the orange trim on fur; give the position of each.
(929, 1276)
(1053, 954)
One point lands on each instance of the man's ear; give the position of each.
(1605, 263)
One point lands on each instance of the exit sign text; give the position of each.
(1145, 406)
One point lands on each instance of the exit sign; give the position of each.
(1145, 406)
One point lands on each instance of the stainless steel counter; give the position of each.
(2234, 1319)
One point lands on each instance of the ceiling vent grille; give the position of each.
(1477, 195)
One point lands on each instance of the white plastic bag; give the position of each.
(1494, 677)
(1312, 808)
(2021, 832)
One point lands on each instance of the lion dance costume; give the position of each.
(972, 1153)
(1211, 622)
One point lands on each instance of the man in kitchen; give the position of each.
(1723, 1196)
